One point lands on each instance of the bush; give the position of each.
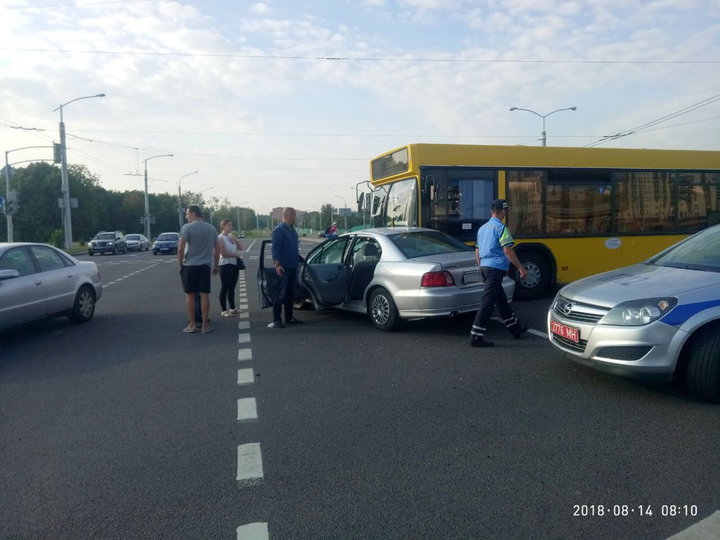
(57, 238)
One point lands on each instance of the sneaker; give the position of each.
(207, 330)
(293, 321)
(189, 329)
(228, 313)
(275, 324)
(481, 342)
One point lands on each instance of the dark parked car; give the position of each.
(37, 281)
(107, 242)
(137, 242)
(166, 242)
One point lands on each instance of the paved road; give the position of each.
(127, 428)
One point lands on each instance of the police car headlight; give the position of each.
(639, 312)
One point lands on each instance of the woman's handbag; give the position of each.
(240, 263)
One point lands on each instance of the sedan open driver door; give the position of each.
(325, 275)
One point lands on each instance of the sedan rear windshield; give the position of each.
(423, 243)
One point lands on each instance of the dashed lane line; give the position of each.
(253, 531)
(249, 464)
(247, 409)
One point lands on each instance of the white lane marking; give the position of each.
(244, 355)
(243, 338)
(247, 409)
(245, 376)
(249, 464)
(243, 315)
(251, 245)
(537, 333)
(244, 325)
(253, 531)
(129, 275)
(243, 306)
(707, 528)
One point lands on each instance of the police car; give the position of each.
(657, 319)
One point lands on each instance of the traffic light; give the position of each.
(57, 158)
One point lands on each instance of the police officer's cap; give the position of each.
(499, 204)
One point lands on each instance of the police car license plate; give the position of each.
(567, 332)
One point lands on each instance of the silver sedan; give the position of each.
(38, 280)
(137, 242)
(394, 273)
(657, 319)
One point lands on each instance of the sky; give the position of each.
(285, 102)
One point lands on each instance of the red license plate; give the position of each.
(565, 331)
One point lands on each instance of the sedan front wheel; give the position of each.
(383, 313)
(703, 369)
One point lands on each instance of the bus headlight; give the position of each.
(639, 312)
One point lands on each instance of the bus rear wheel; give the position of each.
(537, 282)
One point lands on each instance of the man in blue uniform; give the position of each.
(494, 253)
(286, 257)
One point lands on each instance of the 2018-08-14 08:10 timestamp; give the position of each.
(627, 510)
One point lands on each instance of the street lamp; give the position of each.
(180, 212)
(543, 116)
(65, 186)
(146, 218)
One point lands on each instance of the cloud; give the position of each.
(274, 101)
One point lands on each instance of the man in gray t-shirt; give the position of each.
(198, 256)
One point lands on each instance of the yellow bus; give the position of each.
(573, 211)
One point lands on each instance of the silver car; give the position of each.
(394, 273)
(137, 242)
(38, 280)
(657, 319)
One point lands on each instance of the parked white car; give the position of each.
(38, 280)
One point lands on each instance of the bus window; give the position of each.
(698, 200)
(526, 206)
(377, 208)
(402, 204)
(645, 201)
(461, 194)
(578, 202)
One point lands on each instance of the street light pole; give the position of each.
(65, 185)
(543, 116)
(180, 212)
(146, 218)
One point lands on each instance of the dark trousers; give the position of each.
(229, 274)
(284, 293)
(494, 295)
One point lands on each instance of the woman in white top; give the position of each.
(228, 268)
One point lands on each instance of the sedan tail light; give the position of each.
(438, 279)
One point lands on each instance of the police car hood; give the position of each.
(639, 281)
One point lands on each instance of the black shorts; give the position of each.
(195, 279)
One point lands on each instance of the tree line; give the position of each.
(37, 215)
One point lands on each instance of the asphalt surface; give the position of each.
(126, 428)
